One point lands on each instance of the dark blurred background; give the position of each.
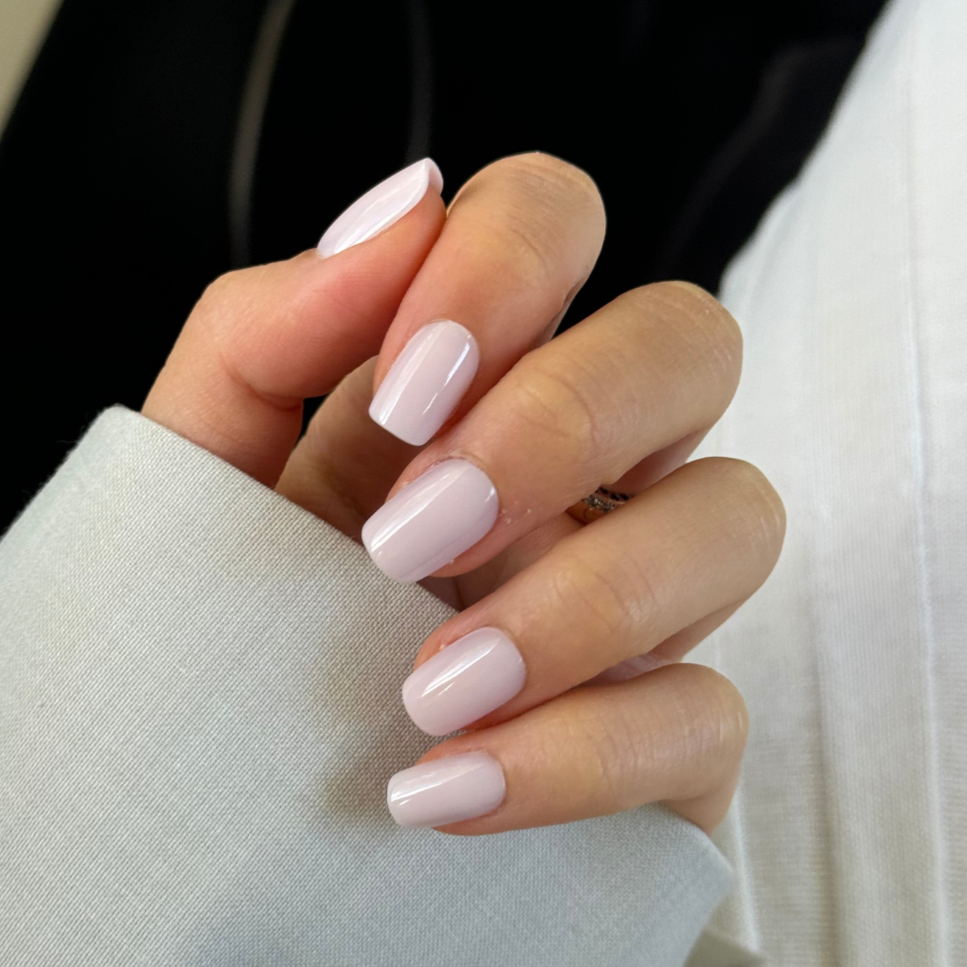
(159, 143)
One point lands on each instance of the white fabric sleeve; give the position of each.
(848, 833)
(199, 709)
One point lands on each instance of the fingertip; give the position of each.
(436, 175)
(264, 338)
(381, 207)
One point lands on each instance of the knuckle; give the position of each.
(550, 178)
(541, 202)
(753, 503)
(608, 602)
(707, 327)
(531, 248)
(711, 718)
(764, 504)
(581, 590)
(230, 303)
(224, 290)
(618, 755)
(553, 402)
(689, 724)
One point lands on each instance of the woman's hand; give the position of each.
(542, 663)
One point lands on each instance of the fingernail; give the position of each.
(446, 790)
(431, 521)
(380, 207)
(427, 380)
(469, 678)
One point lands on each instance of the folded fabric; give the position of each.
(199, 710)
(848, 830)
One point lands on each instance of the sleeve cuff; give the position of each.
(199, 710)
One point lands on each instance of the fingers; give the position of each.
(696, 544)
(261, 340)
(675, 736)
(344, 464)
(655, 366)
(673, 648)
(520, 238)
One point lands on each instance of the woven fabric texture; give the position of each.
(849, 832)
(199, 709)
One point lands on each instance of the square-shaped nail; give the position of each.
(432, 520)
(426, 381)
(464, 681)
(446, 790)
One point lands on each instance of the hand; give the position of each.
(553, 614)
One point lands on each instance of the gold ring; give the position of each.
(596, 505)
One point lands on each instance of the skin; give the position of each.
(623, 399)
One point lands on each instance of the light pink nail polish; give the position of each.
(427, 380)
(446, 790)
(469, 678)
(431, 521)
(380, 207)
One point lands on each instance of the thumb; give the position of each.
(263, 339)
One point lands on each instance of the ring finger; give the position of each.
(693, 546)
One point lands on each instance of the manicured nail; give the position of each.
(469, 678)
(446, 790)
(431, 521)
(380, 207)
(427, 380)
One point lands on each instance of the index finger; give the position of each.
(520, 239)
(262, 339)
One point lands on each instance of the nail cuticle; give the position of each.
(452, 455)
(446, 790)
(432, 520)
(426, 381)
(472, 676)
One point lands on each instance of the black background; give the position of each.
(114, 169)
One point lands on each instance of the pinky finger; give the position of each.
(674, 736)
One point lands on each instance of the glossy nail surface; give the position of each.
(427, 380)
(381, 206)
(446, 790)
(431, 521)
(469, 678)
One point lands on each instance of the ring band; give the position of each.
(596, 505)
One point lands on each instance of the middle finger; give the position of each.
(655, 366)
(520, 238)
